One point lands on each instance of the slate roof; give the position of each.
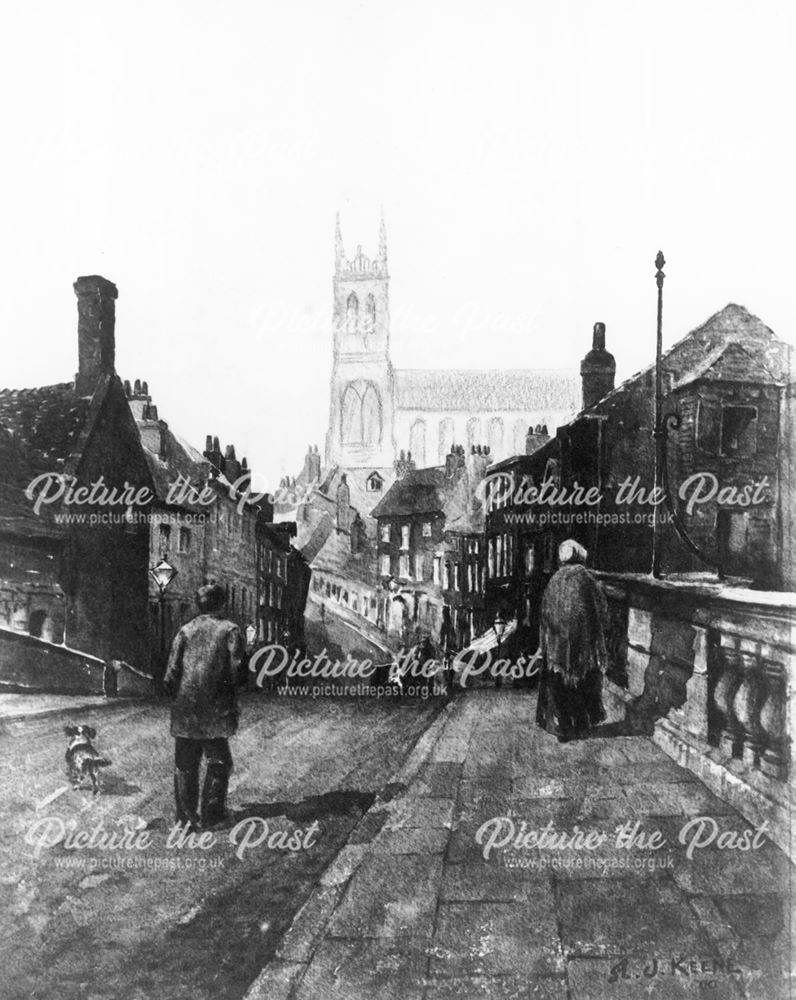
(421, 491)
(16, 511)
(46, 422)
(518, 389)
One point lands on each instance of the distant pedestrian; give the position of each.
(573, 623)
(206, 666)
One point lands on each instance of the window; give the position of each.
(352, 313)
(385, 564)
(385, 532)
(738, 430)
(370, 314)
(36, 623)
(437, 569)
(164, 537)
(419, 566)
(403, 565)
(404, 536)
(374, 483)
(446, 576)
(426, 529)
(456, 580)
(184, 540)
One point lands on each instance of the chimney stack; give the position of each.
(597, 370)
(231, 465)
(96, 320)
(535, 438)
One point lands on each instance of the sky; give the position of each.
(530, 159)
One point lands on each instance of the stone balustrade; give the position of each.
(710, 673)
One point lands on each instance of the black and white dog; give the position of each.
(82, 760)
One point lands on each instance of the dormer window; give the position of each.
(374, 483)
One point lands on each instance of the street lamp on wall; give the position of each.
(162, 574)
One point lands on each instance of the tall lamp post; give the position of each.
(162, 574)
(663, 424)
(660, 431)
(499, 625)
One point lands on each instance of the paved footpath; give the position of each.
(411, 910)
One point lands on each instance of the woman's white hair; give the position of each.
(571, 551)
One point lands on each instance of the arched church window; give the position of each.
(417, 443)
(445, 438)
(351, 416)
(352, 313)
(473, 432)
(370, 313)
(360, 415)
(371, 416)
(496, 436)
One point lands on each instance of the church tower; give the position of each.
(361, 414)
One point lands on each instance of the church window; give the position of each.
(352, 313)
(445, 438)
(371, 416)
(370, 314)
(473, 432)
(351, 418)
(417, 443)
(496, 437)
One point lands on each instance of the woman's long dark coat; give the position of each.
(573, 623)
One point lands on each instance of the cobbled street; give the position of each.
(177, 923)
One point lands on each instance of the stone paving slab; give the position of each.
(420, 913)
(390, 895)
(479, 938)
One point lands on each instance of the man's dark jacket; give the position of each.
(206, 665)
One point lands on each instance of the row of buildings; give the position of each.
(444, 549)
(111, 572)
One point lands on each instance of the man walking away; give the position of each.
(206, 666)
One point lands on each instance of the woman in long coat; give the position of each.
(573, 623)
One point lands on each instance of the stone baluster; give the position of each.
(747, 703)
(773, 760)
(727, 665)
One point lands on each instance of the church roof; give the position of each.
(517, 389)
